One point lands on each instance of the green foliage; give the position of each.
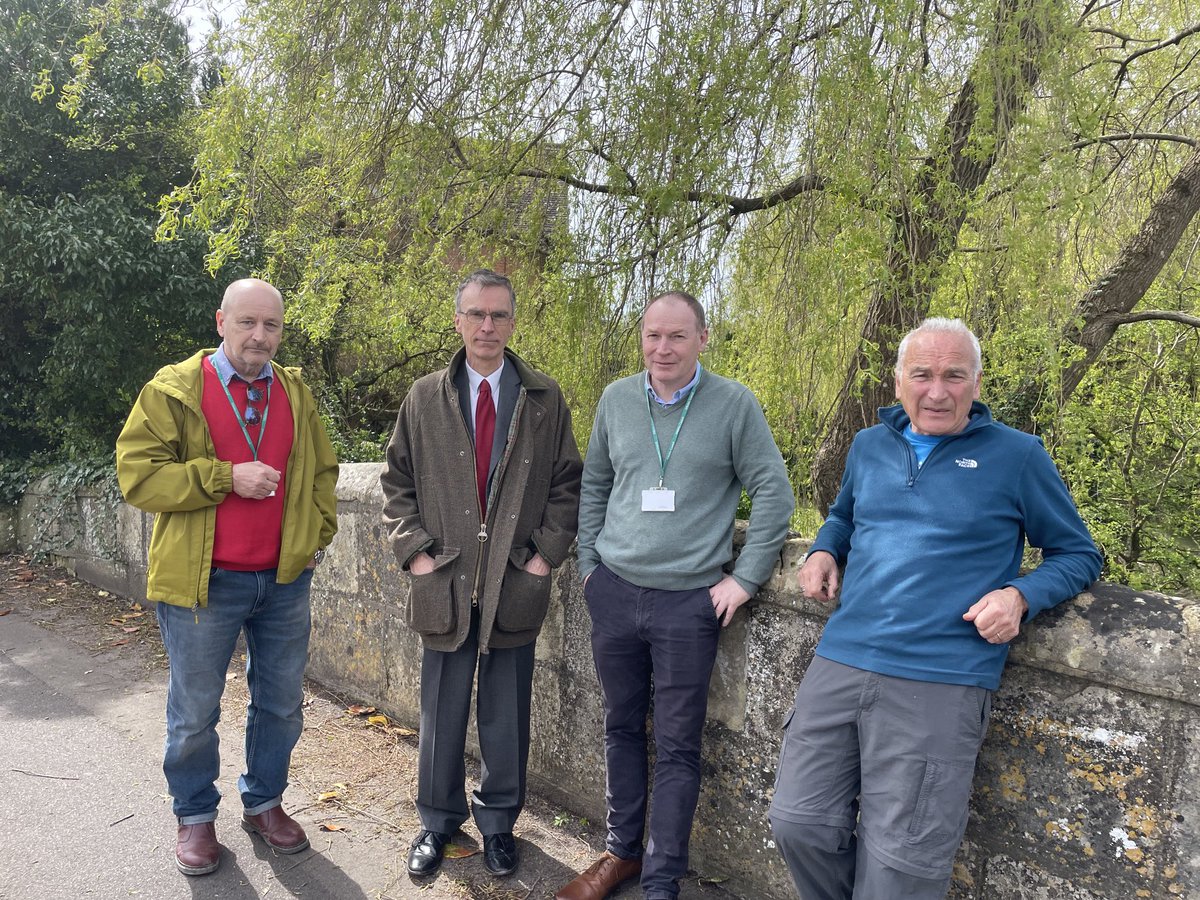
(90, 305)
(59, 522)
(1130, 451)
(15, 476)
(773, 159)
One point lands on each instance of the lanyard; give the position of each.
(262, 428)
(662, 463)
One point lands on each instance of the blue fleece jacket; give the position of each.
(922, 544)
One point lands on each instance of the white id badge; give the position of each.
(658, 500)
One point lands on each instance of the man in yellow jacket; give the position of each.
(229, 453)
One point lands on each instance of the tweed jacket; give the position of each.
(431, 504)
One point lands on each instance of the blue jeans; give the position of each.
(200, 642)
(663, 643)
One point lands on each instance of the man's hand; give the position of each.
(421, 564)
(727, 595)
(997, 615)
(537, 565)
(818, 577)
(254, 480)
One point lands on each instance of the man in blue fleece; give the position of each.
(935, 507)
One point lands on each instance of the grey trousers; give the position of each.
(505, 685)
(874, 782)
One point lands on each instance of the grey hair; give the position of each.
(940, 325)
(485, 278)
(242, 283)
(695, 305)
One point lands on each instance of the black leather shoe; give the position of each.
(425, 856)
(500, 853)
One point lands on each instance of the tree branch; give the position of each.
(1124, 68)
(737, 205)
(1147, 315)
(1135, 136)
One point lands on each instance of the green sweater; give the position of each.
(723, 446)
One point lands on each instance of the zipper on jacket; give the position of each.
(499, 473)
(483, 536)
(196, 611)
(914, 470)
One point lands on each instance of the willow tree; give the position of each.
(823, 174)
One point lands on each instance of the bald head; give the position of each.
(249, 286)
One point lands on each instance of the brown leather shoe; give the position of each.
(196, 849)
(601, 878)
(278, 829)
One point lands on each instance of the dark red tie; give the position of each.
(485, 430)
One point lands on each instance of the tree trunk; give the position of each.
(1115, 293)
(925, 230)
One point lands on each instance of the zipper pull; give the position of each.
(483, 535)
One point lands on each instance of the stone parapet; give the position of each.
(1088, 786)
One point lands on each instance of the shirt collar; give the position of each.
(474, 378)
(679, 394)
(226, 372)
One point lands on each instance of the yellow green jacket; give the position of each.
(167, 465)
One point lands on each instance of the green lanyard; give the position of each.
(262, 428)
(662, 463)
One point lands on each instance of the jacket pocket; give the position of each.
(431, 606)
(524, 600)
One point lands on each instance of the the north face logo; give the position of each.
(967, 463)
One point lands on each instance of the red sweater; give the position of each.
(247, 531)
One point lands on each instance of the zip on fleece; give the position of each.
(910, 455)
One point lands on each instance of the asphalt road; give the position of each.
(86, 814)
(84, 811)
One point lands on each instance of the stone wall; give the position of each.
(1088, 786)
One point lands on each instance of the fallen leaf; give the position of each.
(326, 796)
(137, 606)
(329, 826)
(357, 710)
(711, 879)
(51, 599)
(458, 851)
(134, 615)
(5, 612)
(403, 732)
(132, 630)
(377, 720)
(26, 575)
(119, 643)
(103, 594)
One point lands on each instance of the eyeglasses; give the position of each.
(476, 317)
(253, 416)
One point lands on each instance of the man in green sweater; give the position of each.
(671, 449)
